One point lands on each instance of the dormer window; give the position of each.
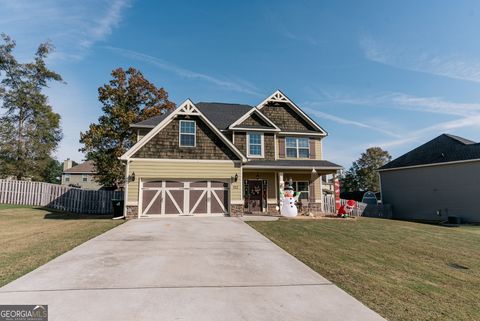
(187, 133)
(255, 145)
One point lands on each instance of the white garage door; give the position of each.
(185, 197)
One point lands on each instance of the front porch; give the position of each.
(262, 181)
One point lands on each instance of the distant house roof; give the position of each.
(87, 167)
(443, 149)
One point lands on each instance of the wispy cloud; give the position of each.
(344, 121)
(452, 66)
(419, 135)
(73, 27)
(398, 100)
(229, 84)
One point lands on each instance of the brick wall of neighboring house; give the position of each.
(285, 118)
(268, 140)
(253, 121)
(166, 144)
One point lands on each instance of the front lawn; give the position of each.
(31, 237)
(402, 270)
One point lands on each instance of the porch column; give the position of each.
(281, 185)
(322, 208)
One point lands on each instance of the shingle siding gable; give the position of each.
(285, 118)
(165, 144)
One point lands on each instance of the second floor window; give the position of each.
(255, 145)
(187, 133)
(297, 147)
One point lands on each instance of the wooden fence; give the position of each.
(360, 209)
(58, 197)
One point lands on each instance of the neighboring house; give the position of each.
(81, 175)
(439, 179)
(218, 158)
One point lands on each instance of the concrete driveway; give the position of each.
(182, 268)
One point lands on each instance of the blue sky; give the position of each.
(372, 73)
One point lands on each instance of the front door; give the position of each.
(255, 191)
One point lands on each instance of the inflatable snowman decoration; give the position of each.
(289, 209)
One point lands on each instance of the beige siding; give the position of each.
(318, 149)
(77, 179)
(181, 169)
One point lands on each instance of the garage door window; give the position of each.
(187, 133)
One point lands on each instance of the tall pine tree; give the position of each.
(29, 129)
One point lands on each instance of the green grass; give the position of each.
(31, 237)
(399, 269)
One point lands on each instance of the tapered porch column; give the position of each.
(281, 185)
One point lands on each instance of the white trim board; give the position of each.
(430, 165)
(278, 96)
(248, 114)
(186, 108)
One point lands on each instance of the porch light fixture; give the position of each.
(235, 178)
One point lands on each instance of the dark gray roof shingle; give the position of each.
(442, 149)
(223, 115)
(152, 121)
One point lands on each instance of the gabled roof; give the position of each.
(442, 149)
(223, 114)
(280, 97)
(238, 123)
(186, 108)
(87, 167)
(152, 121)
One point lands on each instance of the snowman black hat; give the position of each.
(288, 188)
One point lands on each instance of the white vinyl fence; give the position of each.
(360, 209)
(329, 206)
(58, 197)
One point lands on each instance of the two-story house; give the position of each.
(79, 175)
(218, 158)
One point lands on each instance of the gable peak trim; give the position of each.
(248, 114)
(279, 96)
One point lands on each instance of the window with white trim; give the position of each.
(303, 188)
(297, 147)
(255, 145)
(67, 177)
(187, 133)
(84, 177)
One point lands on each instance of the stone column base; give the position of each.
(132, 212)
(236, 210)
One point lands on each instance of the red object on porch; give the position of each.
(337, 193)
